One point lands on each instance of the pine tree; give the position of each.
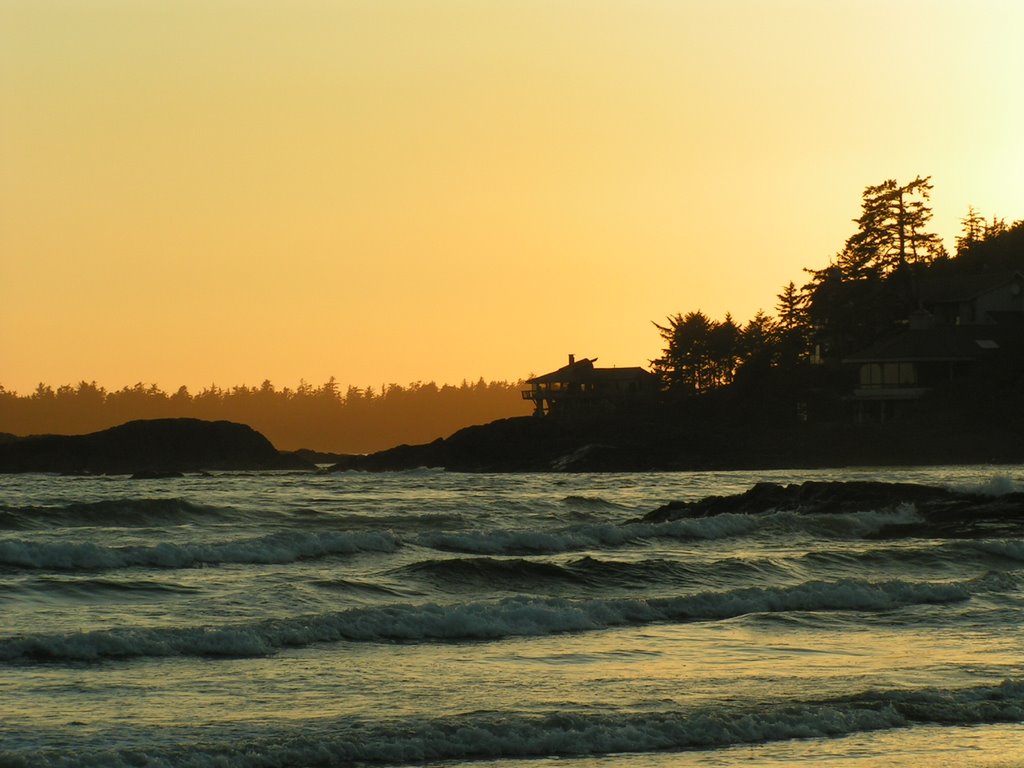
(973, 231)
(892, 231)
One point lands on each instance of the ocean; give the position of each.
(502, 620)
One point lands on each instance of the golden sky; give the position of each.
(224, 191)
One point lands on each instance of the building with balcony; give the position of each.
(962, 324)
(580, 388)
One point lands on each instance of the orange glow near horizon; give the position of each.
(226, 192)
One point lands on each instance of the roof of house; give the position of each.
(956, 288)
(584, 371)
(939, 344)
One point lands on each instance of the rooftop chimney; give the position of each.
(572, 359)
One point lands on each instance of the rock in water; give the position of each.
(152, 446)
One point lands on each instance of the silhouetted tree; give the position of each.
(870, 286)
(759, 339)
(758, 348)
(723, 350)
(973, 231)
(986, 246)
(792, 308)
(685, 365)
(309, 417)
(891, 231)
(700, 354)
(866, 292)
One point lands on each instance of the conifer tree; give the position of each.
(892, 231)
(792, 308)
(973, 231)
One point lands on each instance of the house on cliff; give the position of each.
(963, 323)
(982, 299)
(580, 388)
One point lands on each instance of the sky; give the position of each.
(219, 192)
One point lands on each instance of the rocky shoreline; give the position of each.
(530, 444)
(638, 443)
(146, 449)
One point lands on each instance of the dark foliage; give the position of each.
(322, 418)
(866, 293)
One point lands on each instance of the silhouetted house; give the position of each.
(579, 387)
(963, 323)
(974, 299)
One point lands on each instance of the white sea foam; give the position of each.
(1011, 549)
(856, 524)
(723, 526)
(996, 485)
(512, 617)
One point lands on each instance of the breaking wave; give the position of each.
(274, 548)
(511, 617)
(114, 512)
(566, 733)
(997, 485)
(723, 526)
(469, 574)
(1007, 549)
(953, 556)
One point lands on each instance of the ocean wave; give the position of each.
(274, 548)
(585, 536)
(511, 617)
(1007, 549)
(565, 733)
(996, 485)
(471, 573)
(353, 587)
(113, 512)
(956, 556)
(590, 502)
(722, 526)
(525, 542)
(89, 590)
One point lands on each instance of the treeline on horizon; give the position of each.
(866, 293)
(323, 418)
(770, 369)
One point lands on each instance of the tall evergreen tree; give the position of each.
(892, 230)
(792, 308)
(724, 351)
(973, 231)
(685, 365)
(871, 285)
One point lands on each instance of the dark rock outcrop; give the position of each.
(810, 497)
(528, 444)
(938, 509)
(657, 440)
(148, 448)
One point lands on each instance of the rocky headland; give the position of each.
(650, 442)
(148, 448)
(637, 442)
(927, 510)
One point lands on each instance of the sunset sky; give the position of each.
(226, 191)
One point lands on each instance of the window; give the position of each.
(888, 375)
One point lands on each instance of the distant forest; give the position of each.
(323, 418)
(768, 370)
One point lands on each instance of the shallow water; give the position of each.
(284, 619)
